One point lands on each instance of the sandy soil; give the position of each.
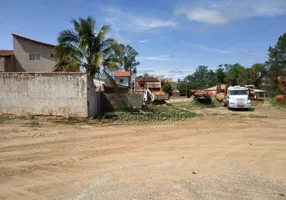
(209, 157)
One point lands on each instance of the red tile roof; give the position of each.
(122, 73)
(6, 52)
(35, 41)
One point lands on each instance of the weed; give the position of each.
(274, 103)
(4, 119)
(258, 116)
(33, 123)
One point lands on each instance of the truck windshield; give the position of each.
(238, 92)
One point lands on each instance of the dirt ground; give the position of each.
(239, 155)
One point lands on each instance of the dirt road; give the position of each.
(209, 157)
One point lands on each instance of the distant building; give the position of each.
(142, 83)
(123, 78)
(175, 93)
(28, 55)
(6, 61)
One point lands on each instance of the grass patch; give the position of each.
(258, 116)
(196, 105)
(70, 121)
(2, 119)
(216, 114)
(273, 103)
(126, 110)
(33, 123)
(170, 112)
(5, 119)
(234, 114)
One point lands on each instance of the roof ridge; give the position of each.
(25, 38)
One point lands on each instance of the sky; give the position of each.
(172, 37)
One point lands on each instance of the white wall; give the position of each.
(125, 80)
(59, 94)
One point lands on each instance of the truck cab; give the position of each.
(237, 97)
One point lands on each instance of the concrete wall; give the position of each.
(22, 49)
(59, 94)
(112, 101)
(93, 98)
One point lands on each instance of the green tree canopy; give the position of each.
(277, 64)
(129, 60)
(167, 87)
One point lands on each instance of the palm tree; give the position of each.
(83, 47)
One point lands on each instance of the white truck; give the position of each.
(237, 97)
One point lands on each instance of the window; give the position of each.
(52, 55)
(121, 80)
(34, 56)
(239, 92)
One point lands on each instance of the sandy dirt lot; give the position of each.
(233, 156)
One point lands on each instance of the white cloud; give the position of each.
(160, 57)
(126, 21)
(226, 11)
(203, 15)
(119, 38)
(144, 41)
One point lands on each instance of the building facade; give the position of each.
(123, 78)
(28, 55)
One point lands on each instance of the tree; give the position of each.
(83, 47)
(259, 71)
(277, 64)
(129, 60)
(277, 54)
(233, 72)
(146, 75)
(211, 79)
(220, 75)
(247, 77)
(167, 87)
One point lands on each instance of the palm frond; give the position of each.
(109, 77)
(68, 36)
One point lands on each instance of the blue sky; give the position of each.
(173, 37)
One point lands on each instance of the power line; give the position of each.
(253, 34)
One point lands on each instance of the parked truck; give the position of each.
(154, 94)
(237, 97)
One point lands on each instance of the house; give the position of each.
(6, 61)
(176, 93)
(123, 78)
(142, 83)
(28, 55)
